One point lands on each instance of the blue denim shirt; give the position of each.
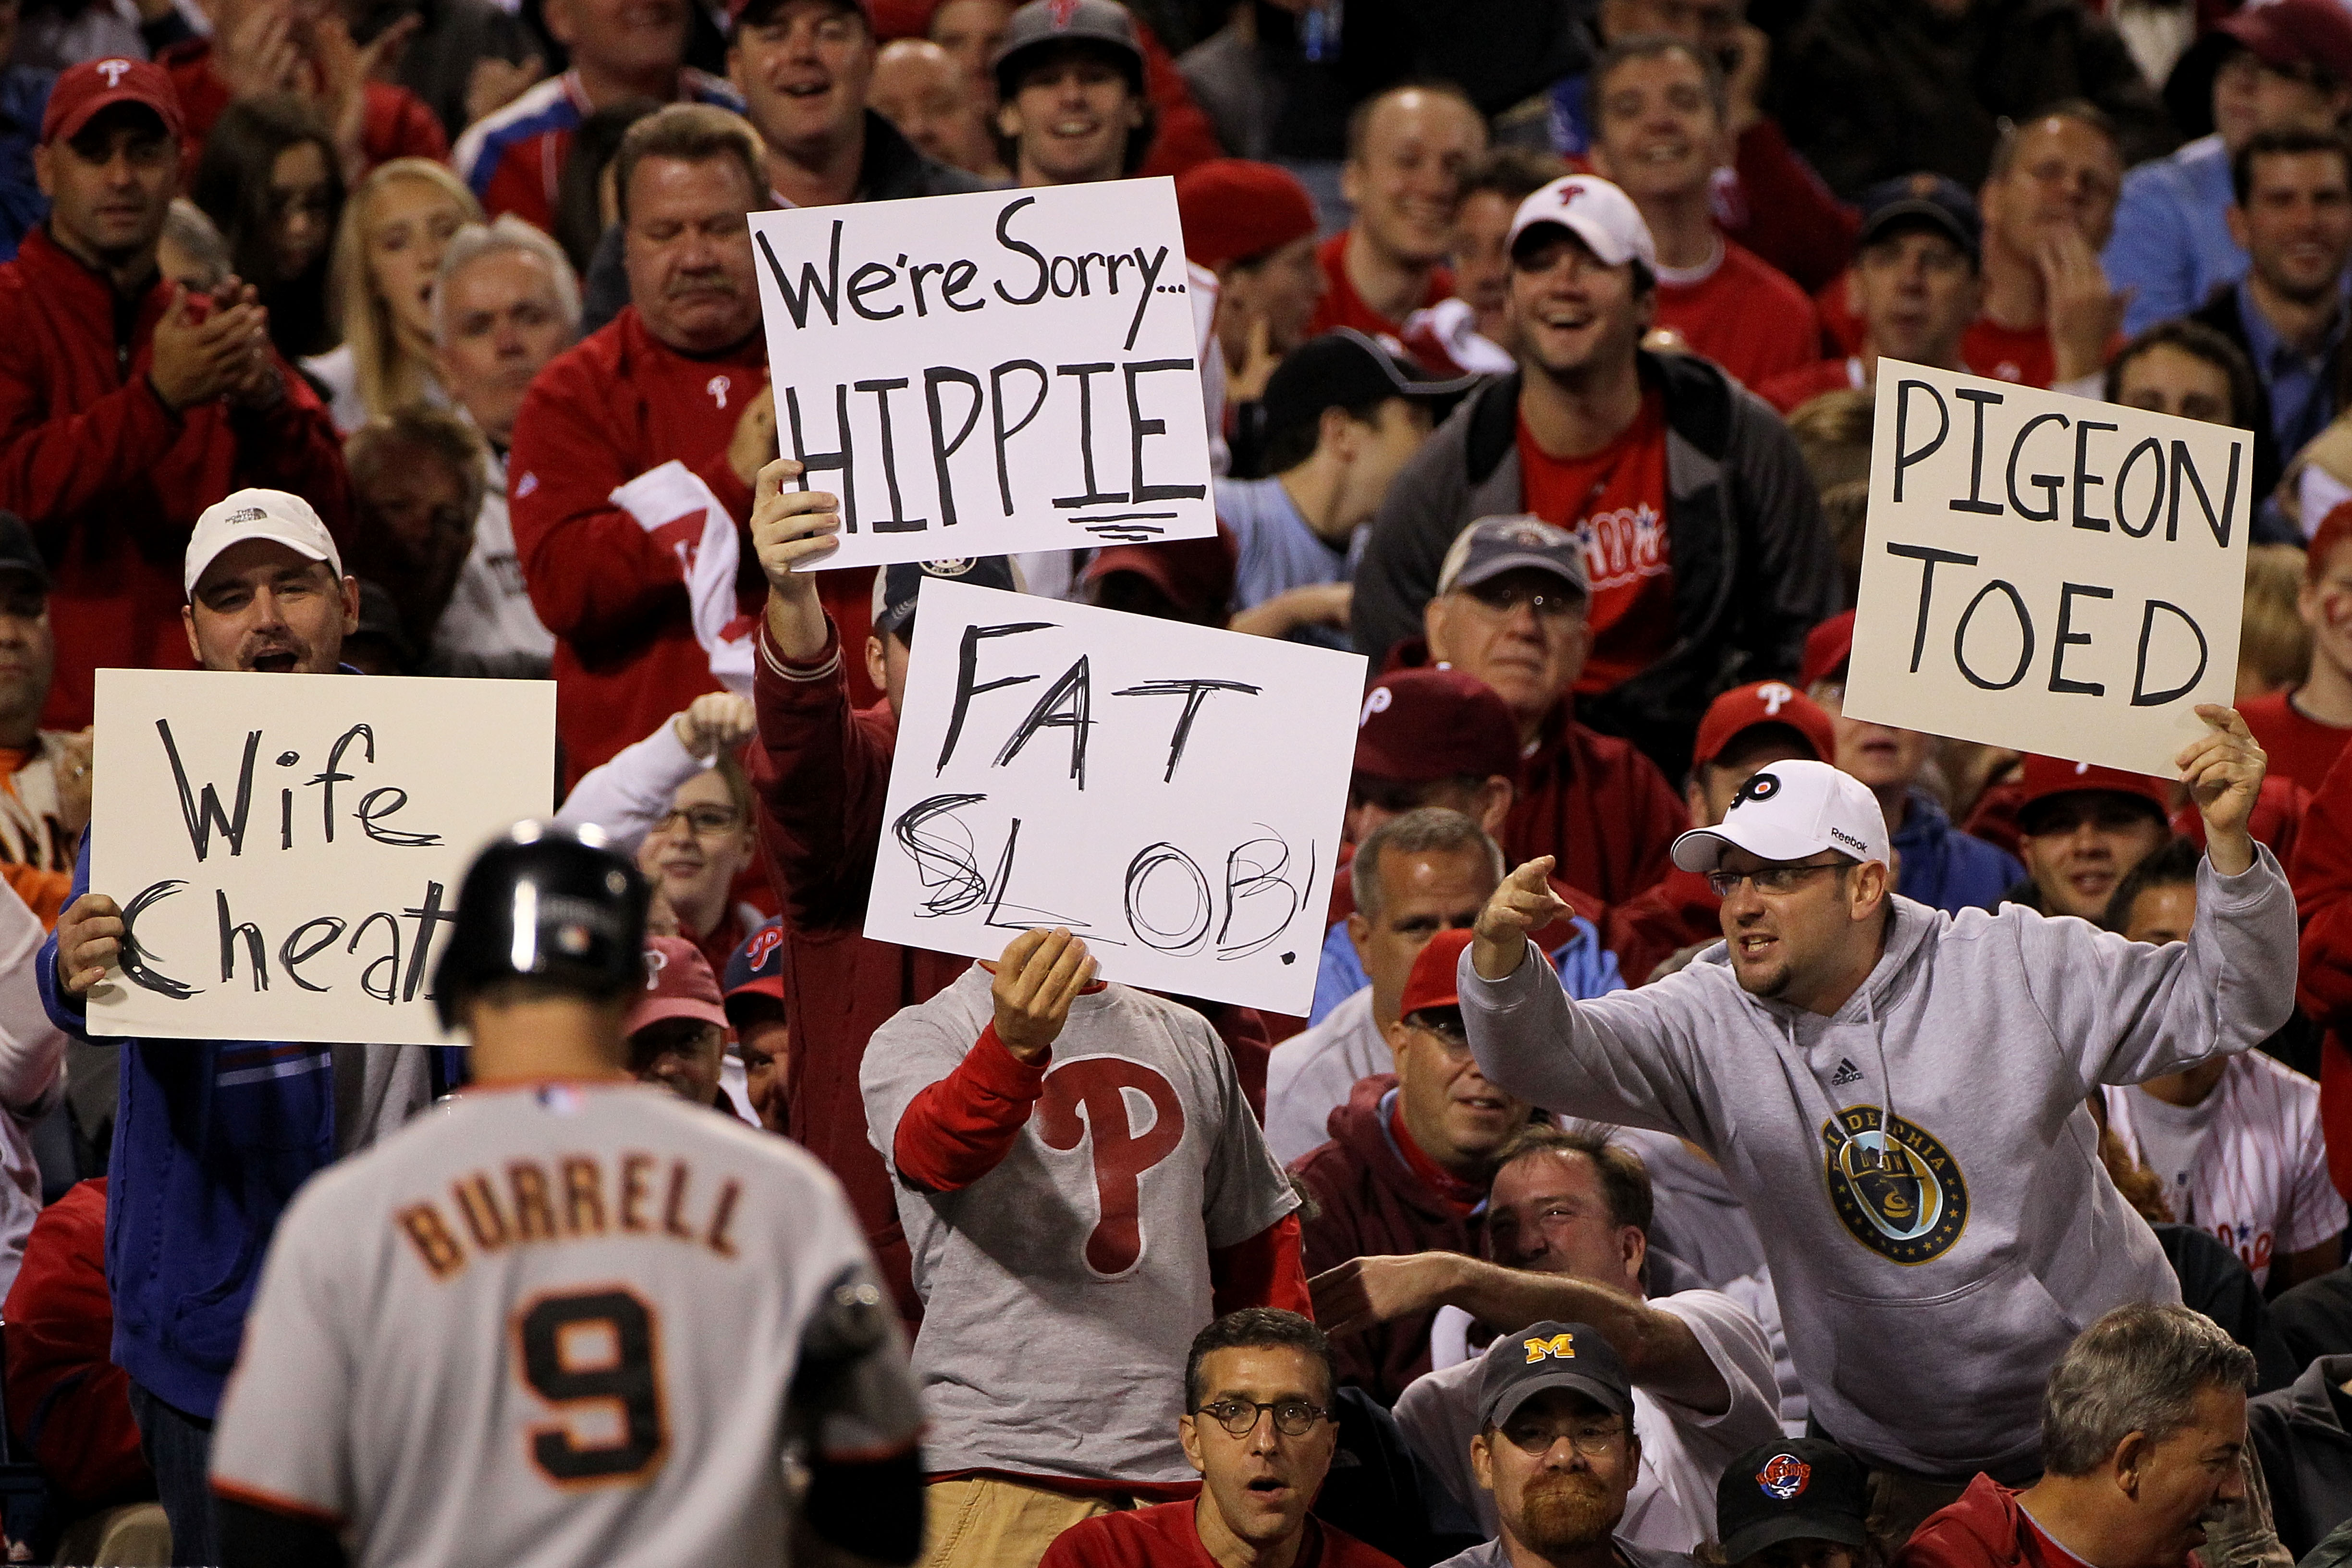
(2301, 387)
(2171, 245)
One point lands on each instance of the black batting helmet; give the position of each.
(548, 903)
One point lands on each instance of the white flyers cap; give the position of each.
(1788, 811)
(286, 519)
(1597, 213)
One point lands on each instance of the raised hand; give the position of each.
(1040, 974)
(1524, 904)
(2223, 770)
(790, 528)
(715, 721)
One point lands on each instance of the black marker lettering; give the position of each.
(1195, 693)
(2183, 466)
(1068, 704)
(1930, 558)
(290, 958)
(2067, 633)
(827, 293)
(844, 460)
(967, 664)
(1903, 456)
(941, 449)
(2141, 697)
(894, 524)
(1139, 427)
(2024, 625)
(136, 960)
(202, 818)
(253, 944)
(1150, 270)
(2086, 481)
(369, 814)
(1975, 501)
(1095, 495)
(2049, 484)
(1004, 433)
(1004, 238)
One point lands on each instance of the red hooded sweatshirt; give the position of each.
(1986, 1528)
(111, 480)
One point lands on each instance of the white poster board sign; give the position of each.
(287, 849)
(1170, 793)
(2048, 572)
(989, 373)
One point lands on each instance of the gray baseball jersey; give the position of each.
(563, 1325)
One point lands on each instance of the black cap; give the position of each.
(1345, 369)
(1938, 202)
(1551, 1355)
(1100, 25)
(18, 553)
(1799, 1489)
(378, 617)
(896, 586)
(550, 903)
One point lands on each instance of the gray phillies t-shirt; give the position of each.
(1061, 1289)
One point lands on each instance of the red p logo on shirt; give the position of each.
(1087, 1098)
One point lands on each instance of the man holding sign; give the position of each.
(213, 1136)
(1900, 1092)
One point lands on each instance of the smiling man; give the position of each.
(1833, 1056)
(1258, 1426)
(1070, 92)
(2082, 828)
(1409, 150)
(2143, 1430)
(1689, 497)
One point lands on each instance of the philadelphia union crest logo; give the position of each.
(1898, 1191)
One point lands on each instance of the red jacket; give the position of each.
(821, 770)
(599, 416)
(111, 480)
(67, 1402)
(395, 122)
(1645, 931)
(1599, 805)
(1986, 1528)
(1375, 1205)
(2321, 872)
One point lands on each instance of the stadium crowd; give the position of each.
(1577, 1223)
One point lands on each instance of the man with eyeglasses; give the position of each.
(1258, 1426)
(1556, 1446)
(1411, 1157)
(1745, 729)
(1514, 609)
(1704, 528)
(678, 1028)
(1567, 1235)
(1900, 1091)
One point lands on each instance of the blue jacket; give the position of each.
(1946, 869)
(211, 1140)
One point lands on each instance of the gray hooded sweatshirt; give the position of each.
(1927, 1293)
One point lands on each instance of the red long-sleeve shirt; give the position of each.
(67, 1402)
(2321, 871)
(597, 418)
(113, 480)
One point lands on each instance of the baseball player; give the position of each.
(574, 1321)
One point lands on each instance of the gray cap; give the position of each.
(1575, 1356)
(1525, 542)
(1042, 22)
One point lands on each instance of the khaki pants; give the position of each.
(988, 1521)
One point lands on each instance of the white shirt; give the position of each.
(2257, 1173)
(489, 627)
(1309, 1076)
(1672, 1505)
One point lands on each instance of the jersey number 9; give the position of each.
(590, 1353)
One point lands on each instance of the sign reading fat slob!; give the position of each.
(989, 373)
(1172, 794)
(2048, 572)
(287, 849)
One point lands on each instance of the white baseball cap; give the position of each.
(287, 520)
(1788, 811)
(1597, 213)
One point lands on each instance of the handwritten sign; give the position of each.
(1169, 793)
(989, 373)
(2048, 572)
(287, 849)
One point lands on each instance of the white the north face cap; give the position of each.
(1791, 810)
(289, 519)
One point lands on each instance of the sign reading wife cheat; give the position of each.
(285, 849)
(2048, 572)
(1169, 793)
(990, 374)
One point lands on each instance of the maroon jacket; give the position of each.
(1598, 805)
(821, 770)
(111, 480)
(1373, 1205)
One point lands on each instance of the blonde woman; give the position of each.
(393, 232)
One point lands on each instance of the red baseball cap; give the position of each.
(1828, 649)
(1195, 575)
(1421, 725)
(2044, 778)
(84, 89)
(1431, 983)
(1743, 708)
(678, 984)
(1234, 209)
(2290, 33)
